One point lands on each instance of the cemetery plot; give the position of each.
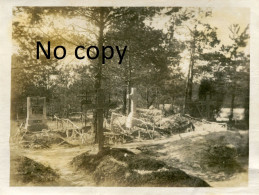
(132, 156)
(155, 96)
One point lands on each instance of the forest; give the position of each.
(130, 96)
(177, 64)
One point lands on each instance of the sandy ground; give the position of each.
(180, 151)
(177, 151)
(58, 158)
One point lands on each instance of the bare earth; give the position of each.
(180, 151)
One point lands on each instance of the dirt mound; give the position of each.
(152, 115)
(26, 171)
(120, 167)
(42, 140)
(166, 125)
(217, 156)
(93, 160)
(144, 163)
(222, 151)
(110, 172)
(165, 178)
(176, 123)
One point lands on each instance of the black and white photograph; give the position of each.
(129, 97)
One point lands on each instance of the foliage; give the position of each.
(153, 61)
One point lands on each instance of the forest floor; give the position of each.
(218, 157)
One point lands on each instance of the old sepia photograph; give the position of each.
(130, 96)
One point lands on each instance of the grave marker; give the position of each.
(133, 108)
(36, 113)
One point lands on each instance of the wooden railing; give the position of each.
(68, 125)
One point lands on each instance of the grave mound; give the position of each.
(121, 167)
(166, 125)
(224, 152)
(42, 140)
(25, 171)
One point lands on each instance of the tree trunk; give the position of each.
(98, 115)
(185, 108)
(233, 96)
(191, 80)
(100, 101)
(192, 61)
(232, 107)
(188, 90)
(247, 104)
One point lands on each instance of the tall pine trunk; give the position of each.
(98, 115)
(188, 90)
(233, 94)
(232, 105)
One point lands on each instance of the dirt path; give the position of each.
(59, 158)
